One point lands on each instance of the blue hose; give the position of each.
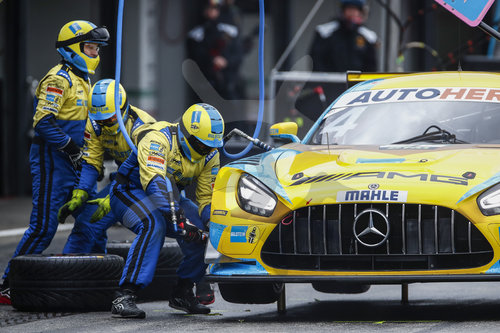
(261, 85)
(261, 80)
(119, 25)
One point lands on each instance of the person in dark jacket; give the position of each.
(345, 43)
(215, 46)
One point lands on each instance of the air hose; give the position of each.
(261, 86)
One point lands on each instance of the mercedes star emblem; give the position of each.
(371, 227)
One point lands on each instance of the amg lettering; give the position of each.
(423, 177)
(367, 175)
(449, 180)
(391, 175)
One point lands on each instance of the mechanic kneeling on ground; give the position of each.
(169, 157)
(102, 135)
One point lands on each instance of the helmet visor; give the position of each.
(98, 35)
(111, 121)
(199, 146)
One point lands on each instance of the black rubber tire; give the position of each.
(340, 287)
(165, 277)
(57, 282)
(250, 293)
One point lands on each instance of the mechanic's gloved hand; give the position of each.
(74, 153)
(190, 232)
(102, 210)
(78, 198)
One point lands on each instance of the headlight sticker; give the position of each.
(372, 195)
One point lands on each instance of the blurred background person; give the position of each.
(345, 43)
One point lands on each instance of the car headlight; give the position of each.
(489, 201)
(254, 197)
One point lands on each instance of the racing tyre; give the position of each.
(340, 287)
(165, 277)
(251, 293)
(64, 282)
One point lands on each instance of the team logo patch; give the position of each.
(195, 121)
(54, 90)
(360, 42)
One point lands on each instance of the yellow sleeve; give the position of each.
(206, 179)
(152, 153)
(51, 94)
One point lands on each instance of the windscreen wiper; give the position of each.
(439, 135)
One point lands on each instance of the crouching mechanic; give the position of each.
(59, 121)
(102, 135)
(168, 156)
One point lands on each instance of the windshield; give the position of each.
(386, 123)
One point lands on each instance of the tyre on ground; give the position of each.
(165, 277)
(64, 282)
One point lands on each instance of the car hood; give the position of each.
(307, 175)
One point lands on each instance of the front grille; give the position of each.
(420, 237)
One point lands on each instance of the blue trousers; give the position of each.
(53, 178)
(138, 213)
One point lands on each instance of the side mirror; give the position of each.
(286, 131)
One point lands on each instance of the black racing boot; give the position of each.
(5, 293)
(183, 299)
(205, 293)
(124, 305)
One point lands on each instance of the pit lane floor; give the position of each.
(433, 307)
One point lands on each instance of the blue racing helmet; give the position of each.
(200, 131)
(102, 108)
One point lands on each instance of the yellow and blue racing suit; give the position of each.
(60, 113)
(139, 199)
(89, 237)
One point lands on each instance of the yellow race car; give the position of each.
(397, 182)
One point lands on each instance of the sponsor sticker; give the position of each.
(46, 108)
(154, 165)
(155, 146)
(86, 135)
(220, 212)
(253, 234)
(238, 234)
(54, 90)
(418, 94)
(155, 159)
(372, 195)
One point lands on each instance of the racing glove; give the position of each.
(102, 210)
(74, 153)
(78, 198)
(188, 231)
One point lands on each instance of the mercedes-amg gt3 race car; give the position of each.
(397, 182)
